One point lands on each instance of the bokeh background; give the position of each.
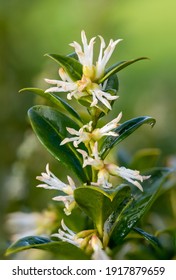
(28, 30)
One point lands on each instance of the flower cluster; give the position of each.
(89, 134)
(88, 85)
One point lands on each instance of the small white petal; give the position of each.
(68, 235)
(104, 58)
(111, 125)
(54, 89)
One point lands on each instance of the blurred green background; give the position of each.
(29, 29)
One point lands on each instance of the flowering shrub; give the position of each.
(110, 209)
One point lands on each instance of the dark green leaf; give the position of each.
(70, 65)
(26, 243)
(154, 241)
(117, 67)
(123, 131)
(50, 127)
(98, 204)
(62, 250)
(55, 100)
(127, 219)
(112, 84)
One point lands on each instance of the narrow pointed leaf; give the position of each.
(126, 220)
(119, 66)
(62, 250)
(26, 243)
(154, 241)
(50, 127)
(55, 100)
(99, 204)
(123, 131)
(70, 65)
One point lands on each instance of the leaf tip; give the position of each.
(153, 122)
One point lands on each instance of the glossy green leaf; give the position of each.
(50, 127)
(153, 240)
(127, 219)
(117, 67)
(98, 204)
(59, 102)
(123, 131)
(70, 65)
(26, 243)
(62, 250)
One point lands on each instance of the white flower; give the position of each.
(68, 235)
(94, 161)
(102, 179)
(106, 130)
(98, 94)
(53, 183)
(82, 135)
(74, 89)
(68, 201)
(86, 239)
(132, 176)
(85, 133)
(87, 86)
(105, 170)
(98, 164)
(85, 56)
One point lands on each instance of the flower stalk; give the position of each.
(100, 203)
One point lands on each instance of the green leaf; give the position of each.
(26, 243)
(55, 100)
(126, 220)
(112, 84)
(98, 204)
(119, 66)
(70, 65)
(62, 250)
(50, 127)
(123, 131)
(154, 241)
